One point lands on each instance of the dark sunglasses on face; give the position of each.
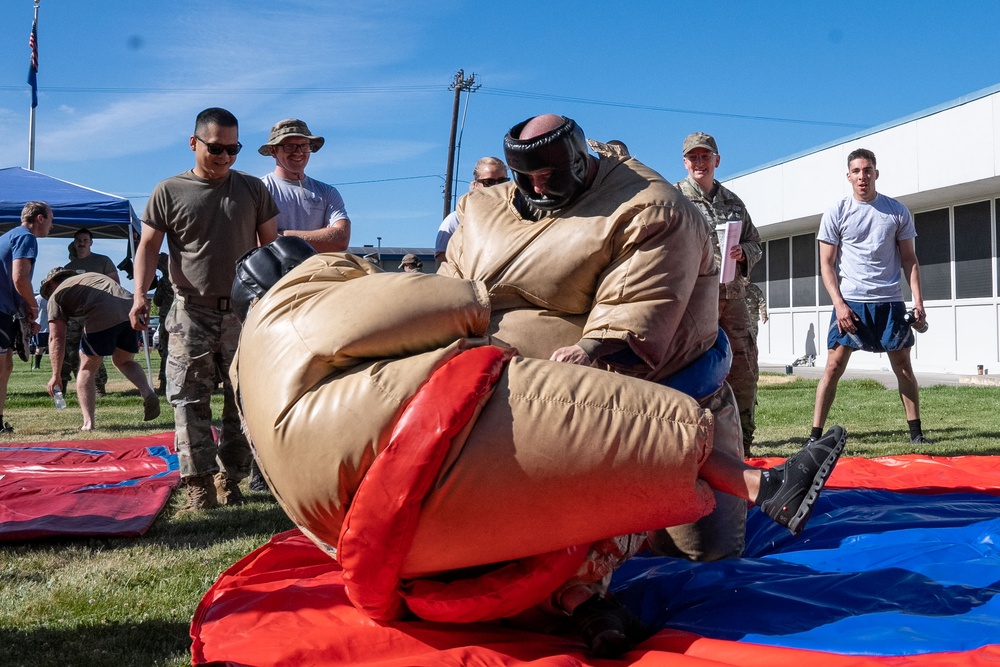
(216, 149)
(490, 182)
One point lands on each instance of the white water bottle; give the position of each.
(59, 399)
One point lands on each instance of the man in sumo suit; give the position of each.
(459, 480)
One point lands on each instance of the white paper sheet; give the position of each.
(729, 238)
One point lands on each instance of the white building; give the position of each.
(944, 164)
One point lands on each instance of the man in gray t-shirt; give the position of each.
(309, 208)
(865, 247)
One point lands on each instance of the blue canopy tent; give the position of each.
(74, 206)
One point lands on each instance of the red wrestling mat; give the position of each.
(285, 604)
(85, 487)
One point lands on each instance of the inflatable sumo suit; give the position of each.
(451, 477)
(629, 264)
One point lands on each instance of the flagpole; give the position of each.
(31, 116)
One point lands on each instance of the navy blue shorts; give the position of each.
(880, 328)
(40, 339)
(8, 325)
(104, 343)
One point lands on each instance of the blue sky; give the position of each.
(120, 83)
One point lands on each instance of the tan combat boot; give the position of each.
(200, 493)
(228, 490)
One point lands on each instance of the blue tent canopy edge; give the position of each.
(74, 206)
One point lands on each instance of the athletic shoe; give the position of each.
(921, 440)
(6, 429)
(607, 626)
(789, 491)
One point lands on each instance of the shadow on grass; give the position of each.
(259, 519)
(114, 644)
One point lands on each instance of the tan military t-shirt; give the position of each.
(98, 300)
(209, 225)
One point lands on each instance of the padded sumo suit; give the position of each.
(456, 478)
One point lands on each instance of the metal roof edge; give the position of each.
(965, 99)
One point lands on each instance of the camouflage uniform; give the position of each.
(756, 307)
(208, 226)
(733, 315)
(203, 342)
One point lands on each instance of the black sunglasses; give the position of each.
(490, 182)
(216, 149)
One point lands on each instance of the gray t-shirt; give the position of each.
(868, 234)
(305, 205)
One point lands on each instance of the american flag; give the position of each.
(33, 66)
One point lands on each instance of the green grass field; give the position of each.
(130, 601)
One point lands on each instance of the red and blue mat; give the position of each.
(900, 565)
(86, 487)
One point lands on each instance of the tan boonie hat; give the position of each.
(411, 259)
(699, 140)
(290, 127)
(49, 285)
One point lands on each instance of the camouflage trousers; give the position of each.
(71, 356)
(734, 318)
(202, 344)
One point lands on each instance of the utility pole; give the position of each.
(458, 85)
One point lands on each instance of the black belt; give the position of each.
(220, 303)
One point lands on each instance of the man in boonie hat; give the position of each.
(309, 208)
(411, 263)
(103, 307)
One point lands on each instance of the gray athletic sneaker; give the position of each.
(789, 491)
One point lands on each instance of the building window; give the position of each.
(933, 246)
(997, 237)
(778, 295)
(973, 252)
(804, 270)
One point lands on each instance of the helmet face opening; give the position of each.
(563, 151)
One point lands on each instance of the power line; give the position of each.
(145, 195)
(372, 90)
(500, 92)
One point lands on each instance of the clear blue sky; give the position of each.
(120, 83)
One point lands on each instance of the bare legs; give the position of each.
(729, 474)
(836, 364)
(909, 390)
(86, 386)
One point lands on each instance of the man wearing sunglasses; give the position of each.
(310, 209)
(211, 216)
(489, 171)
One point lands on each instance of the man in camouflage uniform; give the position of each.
(756, 306)
(163, 297)
(211, 216)
(718, 204)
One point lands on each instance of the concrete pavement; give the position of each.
(886, 376)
